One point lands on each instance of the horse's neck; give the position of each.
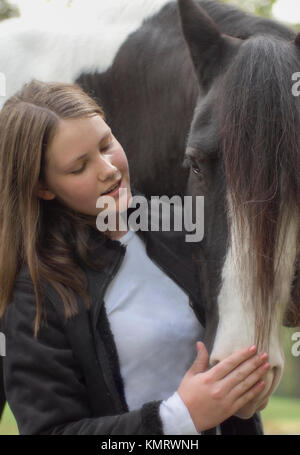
(241, 24)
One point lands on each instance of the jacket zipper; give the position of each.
(109, 381)
(110, 276)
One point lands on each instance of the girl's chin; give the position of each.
(116, 205)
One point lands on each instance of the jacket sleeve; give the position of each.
(44, 385)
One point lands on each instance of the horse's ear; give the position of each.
(209, 48)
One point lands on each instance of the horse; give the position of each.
(199, 93)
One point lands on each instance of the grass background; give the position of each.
(281, 417)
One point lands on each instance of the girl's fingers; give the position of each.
(248, 396)
(224, 367)
(242, 387)
(242, 375)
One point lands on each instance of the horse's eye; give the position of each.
(190, 162)
(196, 170)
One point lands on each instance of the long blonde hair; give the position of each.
(46, 236)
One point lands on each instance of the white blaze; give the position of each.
(236, 329)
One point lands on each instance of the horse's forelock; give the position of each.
(260, 140)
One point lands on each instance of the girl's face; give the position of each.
(83, 161)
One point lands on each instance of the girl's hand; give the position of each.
(212, 396)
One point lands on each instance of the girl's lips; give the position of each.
(114, 192)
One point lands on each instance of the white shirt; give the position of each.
(155, 332)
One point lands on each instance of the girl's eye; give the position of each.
(103, 149)
(106, 147)
(79, 170)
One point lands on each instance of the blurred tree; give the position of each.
(7, 10)
(260, 7)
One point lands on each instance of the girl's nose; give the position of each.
(106, 170)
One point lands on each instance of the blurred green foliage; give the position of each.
(260, 7)
(7, 10)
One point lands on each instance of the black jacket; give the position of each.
(68, 380)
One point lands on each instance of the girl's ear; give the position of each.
(44, 193)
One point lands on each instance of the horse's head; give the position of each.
(243, 151)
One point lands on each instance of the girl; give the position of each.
(100, 336)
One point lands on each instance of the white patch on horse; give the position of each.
(236, 327)
(61, 51)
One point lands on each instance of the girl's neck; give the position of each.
(116, 235)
